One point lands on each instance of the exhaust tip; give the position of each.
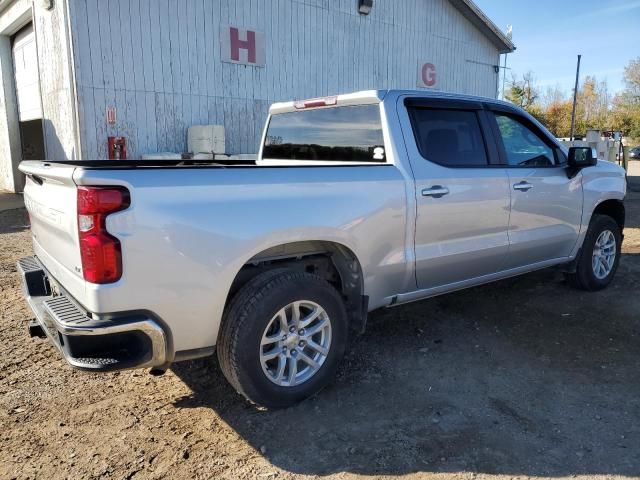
(157, 372)
(35, 330)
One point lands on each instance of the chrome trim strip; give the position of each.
(150, 328)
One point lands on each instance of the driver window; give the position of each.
(522, 146)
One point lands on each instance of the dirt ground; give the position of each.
(522, 378)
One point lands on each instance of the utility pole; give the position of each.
(575, 100)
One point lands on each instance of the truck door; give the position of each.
(462, 192)
(546, 205)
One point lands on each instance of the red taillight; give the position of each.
(100, 252)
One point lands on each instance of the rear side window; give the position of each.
(449, 137)
(340, 134)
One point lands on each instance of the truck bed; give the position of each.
(191, 227)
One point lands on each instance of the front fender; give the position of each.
(605, 181)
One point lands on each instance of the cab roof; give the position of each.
(365, 97)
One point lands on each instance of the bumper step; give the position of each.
(129, 340)
(63, 311)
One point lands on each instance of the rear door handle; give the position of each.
(523, 186)
(436, 191)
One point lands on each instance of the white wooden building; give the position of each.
(76, 72)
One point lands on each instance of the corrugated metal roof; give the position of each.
(483, 23)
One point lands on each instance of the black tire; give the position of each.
(248, 315)
(584, 277)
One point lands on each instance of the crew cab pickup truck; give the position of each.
(356, 202)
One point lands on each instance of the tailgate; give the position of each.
(50, 197)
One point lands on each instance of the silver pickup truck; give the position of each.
(356, 202)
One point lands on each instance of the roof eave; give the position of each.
(4, 4)
(483, 23)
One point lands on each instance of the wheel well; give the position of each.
(332, 261)
(614, 209)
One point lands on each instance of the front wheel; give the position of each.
(282, 337)
(600, 255)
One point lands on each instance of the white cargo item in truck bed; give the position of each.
(206, 139)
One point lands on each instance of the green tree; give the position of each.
(553, 96)
(632, 80)
(594, 100)
(595, 107)
(557, 118)
(523, 92)
(556, 108)
(626, 105)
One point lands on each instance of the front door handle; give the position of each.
(523, 186)
(436, 191)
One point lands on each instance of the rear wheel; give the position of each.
(282, 337)
(600, 255)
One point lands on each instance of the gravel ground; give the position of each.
(521, 378)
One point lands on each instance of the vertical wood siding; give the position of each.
(55, 82)
(158, 62)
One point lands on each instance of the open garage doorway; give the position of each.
(27, 84)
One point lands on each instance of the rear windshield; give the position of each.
(340, 134)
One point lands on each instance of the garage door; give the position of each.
(25, 62)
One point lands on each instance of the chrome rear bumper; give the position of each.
(123, 341)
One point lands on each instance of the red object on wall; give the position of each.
(112, 115)
(249, 45)
(117, 148)
(243, 46)
(429, 74)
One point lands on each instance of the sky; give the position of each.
(549, 35)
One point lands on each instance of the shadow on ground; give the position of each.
(522, 377)
(15, 220)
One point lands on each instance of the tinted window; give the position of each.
(347, 134)
(523, 147)
(449, 137)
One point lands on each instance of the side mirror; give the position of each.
(581, 157)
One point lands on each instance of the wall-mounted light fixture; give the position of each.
(365, 6)
(46, 4)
